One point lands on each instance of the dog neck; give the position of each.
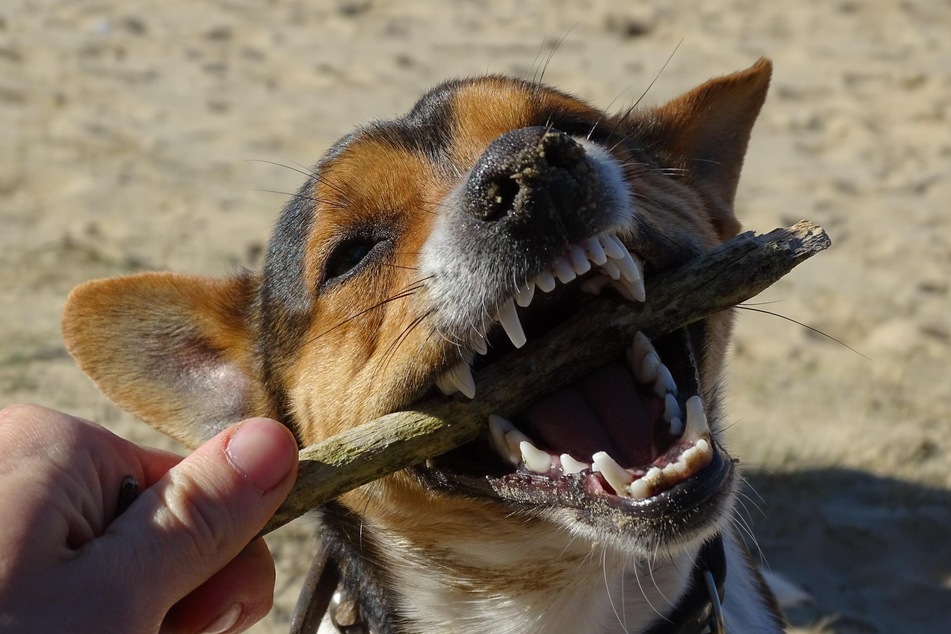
(536, 580)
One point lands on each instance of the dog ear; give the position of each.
(706, 132)
(175, 350)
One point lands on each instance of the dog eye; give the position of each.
(347, 256)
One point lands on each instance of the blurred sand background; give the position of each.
(137, 135)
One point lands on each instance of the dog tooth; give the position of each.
(653, 476)
(697, 427)
(545, 281)
(570, 466)
(536, 460)
(610, 269)
(639, 490)
(616, 475)
(498, 428)
(592, 246)
(563, 270)
(648, 370)
(664, 384)
(445, 385)
(613, 246)
(524, 294)
(579, 259)
(479, 345)
(460, 376)
(630, 268)
(513, 440)
(641, 346)
(510, 323)
(671, 407)
(629, 290)
(676, 426)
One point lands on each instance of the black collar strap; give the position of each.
(699, 610)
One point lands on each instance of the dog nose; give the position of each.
(530, 174)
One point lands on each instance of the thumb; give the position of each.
(206, 509)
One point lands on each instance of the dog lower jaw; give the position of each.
(538, 578)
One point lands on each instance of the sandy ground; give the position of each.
(137, 136)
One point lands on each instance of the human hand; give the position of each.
(182, 558)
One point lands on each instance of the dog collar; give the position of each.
(700, 609)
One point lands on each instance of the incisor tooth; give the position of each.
(524, 294)
(671, 407)
(641, 346)
(570, 466)
(510, 323)
(563, 270)
(536, 460)
(616, 475)
(545, 281)
(649, 367)
(613, 246)
(579, 260)
(595, 251)
(665, 382)
(696, 425)
(513, 439)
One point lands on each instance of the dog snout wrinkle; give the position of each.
(531, 176)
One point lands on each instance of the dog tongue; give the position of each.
(604, 411)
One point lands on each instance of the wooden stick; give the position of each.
(717, 280)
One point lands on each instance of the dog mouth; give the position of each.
(632, 435)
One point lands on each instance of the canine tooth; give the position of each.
(630, 268)
(498, 428)
(579, 260)
(445, 385)
(460, 377)
(545, 281)
(611, 270)
(676, 426)
(664, 384)
(524, 294)
(613, 246)
(639, 490)
(629, 290)
(569, 465)
(563, 270)
(671, 407)
(592, 246)
(510, 323)
(536, 460)
(616, 475)
(697, 427)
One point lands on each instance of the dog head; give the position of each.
(422, 249)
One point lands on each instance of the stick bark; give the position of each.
(724, 277)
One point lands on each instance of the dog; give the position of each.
(423, 249)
